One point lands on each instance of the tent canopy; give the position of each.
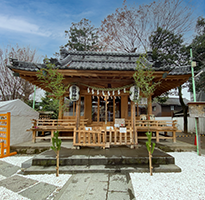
(17, 108)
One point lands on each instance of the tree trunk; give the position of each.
(185, 109)
(57, 163)
(150, 162)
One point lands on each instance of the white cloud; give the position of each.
(83, 14)
(21, 25)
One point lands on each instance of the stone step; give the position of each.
(100, 169)
(76, 160)
(112, 156)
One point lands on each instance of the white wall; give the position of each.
(191, 124)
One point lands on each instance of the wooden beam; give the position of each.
(78, 113)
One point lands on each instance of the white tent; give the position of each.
(21, 115)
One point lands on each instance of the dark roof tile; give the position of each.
(83, 60)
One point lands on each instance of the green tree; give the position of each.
(150, 148)
(53, 81)
(56, 146)
(144, 78)
(168, 49)
(82, 37)
(198, 47)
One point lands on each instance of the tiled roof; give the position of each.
(83, 60)
(174, 101)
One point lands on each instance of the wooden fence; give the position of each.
(103, 136)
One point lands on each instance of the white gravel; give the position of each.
(9, 195)
(189, 184)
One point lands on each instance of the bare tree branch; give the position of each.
(130, 27)
(12, 87)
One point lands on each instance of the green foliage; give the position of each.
(53, 80)
(82, 37)
(56, 143)
(198, 48)
(162, 98)
(167, 48)
(48, 103)
(144, 78)
(150, 146)
(200, 26)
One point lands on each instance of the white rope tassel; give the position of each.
(88, 90)
(124, 90)
(92, 91)
(113, 92)
(118, 91)
(97, 92)
(108, 93)
(103, 93)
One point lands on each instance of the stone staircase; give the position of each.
(92, 160)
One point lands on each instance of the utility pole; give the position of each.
(196, 118)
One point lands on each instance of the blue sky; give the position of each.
(40, 24)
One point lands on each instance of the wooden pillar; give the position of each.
(133, 121)
(98, 116)
(105, 109)
(61, 102)
(78, 113)
(88, 108)
(138, 110)
(124, 109)
(198, 137)
(113, 110)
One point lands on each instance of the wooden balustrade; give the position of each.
(106, 136)
(103, 137)
(52, 125)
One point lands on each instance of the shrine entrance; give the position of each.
(106, 108)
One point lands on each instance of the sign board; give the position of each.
(196, 109)
(120, 121)
(123, 130)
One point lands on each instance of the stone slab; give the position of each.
(119, 196)
(38, 191)
(100, 169)
(98, 186)
(17, 183)
(27, 163)
(7, 169)
(118, 182)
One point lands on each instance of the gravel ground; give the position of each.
(189, 184)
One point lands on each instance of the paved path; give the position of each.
(101, 186)
(89, 186)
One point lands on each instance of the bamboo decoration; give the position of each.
(56, 147)
(150, 148)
